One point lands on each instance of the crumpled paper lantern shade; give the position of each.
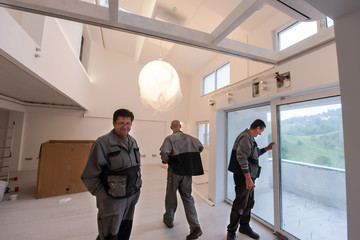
(159, 86)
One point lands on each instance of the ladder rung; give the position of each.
(5, 137)
(4, 148)
(9, 128)
(6, 152)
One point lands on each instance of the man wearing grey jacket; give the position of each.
(244, 164)
(182, 154)
(112, 174)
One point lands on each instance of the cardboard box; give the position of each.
(61, 163)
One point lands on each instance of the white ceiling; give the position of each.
(193, 24)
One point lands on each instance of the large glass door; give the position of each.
(311, 169)
(238, 121)
(301, 194)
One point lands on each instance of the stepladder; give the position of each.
(6, 148)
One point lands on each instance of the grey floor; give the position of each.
(73, 216)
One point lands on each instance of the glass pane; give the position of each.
(295, 33)
(329, 22)
(312, 175)
(201, 132)
(207, 133)
(104, 3)
(223, 76)
(238, 121)
(209, 83)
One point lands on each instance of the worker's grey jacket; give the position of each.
(112, 169)
(245, 155)
(182, 152)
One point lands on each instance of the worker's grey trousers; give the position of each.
(115, 217)
(183, 184)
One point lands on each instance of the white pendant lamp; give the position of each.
(159, 86)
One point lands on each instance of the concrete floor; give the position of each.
(73, 216)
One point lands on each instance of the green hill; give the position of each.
(316, 139)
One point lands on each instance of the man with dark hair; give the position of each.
(123, 113)
(112, 174)
(244, 164)
(182, 154)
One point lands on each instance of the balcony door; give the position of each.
(301, 193)
(312, 169)
(238, 121)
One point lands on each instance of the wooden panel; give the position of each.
(79, 156)
(60, 166)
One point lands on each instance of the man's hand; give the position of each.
(249, 182)
(269, 146)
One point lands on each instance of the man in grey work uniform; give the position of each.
(244, 163)
(112, 174)
(182, 154)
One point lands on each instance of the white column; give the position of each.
(347, 33)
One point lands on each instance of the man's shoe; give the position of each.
(248, 231)
(194, 234)
(169, 225)
(231, 236)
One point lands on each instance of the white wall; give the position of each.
(73, 33)
(67, 75)
(149, 136)
(44, 124)
(33, 24)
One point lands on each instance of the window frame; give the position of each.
(288, 27)
(206, 134)
(321, 26)
(216, 80)
(213, 88)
